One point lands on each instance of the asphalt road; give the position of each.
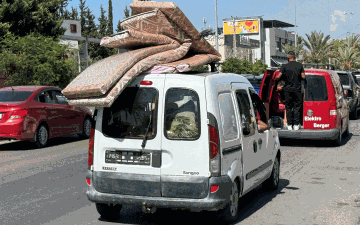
(319, 185)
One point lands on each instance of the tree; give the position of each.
(235, 65)
(258, 67)
(318, 48)
(21, 17)
(102, 22)
(83, 10)
(110, 19)
(37, 60)
(119, 28)
(74, 15)
(347, 53)
(126, 12)
(298, 49)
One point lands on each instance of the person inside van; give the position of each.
(279, 103)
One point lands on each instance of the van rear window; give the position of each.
(130, 114)
(344, 78)
(315, 88)
(182, 114)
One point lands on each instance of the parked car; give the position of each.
(255, 82)
(351, 92)
(181, 141)
(325, 110)
(37, 113)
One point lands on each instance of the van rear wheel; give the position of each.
(109, 212)
(272, 183)
(231, 212)
(338, 140)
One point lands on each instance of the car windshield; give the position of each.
(14, 96)
(315, 88)
(344, 78)
(129, 115)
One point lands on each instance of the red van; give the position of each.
(325, 111)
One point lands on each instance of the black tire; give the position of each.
(41, 136)
(86, 128)
(110, 213)
(338, 140)
(231, 212)
(347, 132)
(272, 183)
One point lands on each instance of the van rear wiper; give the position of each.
(147, 130)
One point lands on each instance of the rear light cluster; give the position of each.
(214, 146)
(91, 146)
(18, 114)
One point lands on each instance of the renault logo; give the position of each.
(309, 112)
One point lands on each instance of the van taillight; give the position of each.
(214, 147)
(91, 146)
(214, 142)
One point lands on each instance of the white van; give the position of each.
(181, 141)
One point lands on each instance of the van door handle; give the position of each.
(260, 141)
(255, 146)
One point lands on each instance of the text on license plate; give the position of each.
(127, 157)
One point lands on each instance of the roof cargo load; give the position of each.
(159, 39)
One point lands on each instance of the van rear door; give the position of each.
(316, 113)
(185, 147)
(121, 164)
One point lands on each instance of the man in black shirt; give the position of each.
(292, 73)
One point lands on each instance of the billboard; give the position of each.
(242, 27)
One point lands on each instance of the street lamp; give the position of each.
(216, 27)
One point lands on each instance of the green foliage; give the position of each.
(102, 22)
(235, 65)
(298, 49)
(118, 28)
(83, 10)
(74, 15)
(126, 12)
(41, 61)
(110, 29)
(318, 48)
(22, 17)
(258, 68)
(202, 68)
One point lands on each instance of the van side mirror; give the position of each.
(245, 128)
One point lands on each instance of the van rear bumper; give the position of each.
(331, 134)
(213, 201)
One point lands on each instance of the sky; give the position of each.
(336, 18)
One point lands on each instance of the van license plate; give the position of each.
(127, 157)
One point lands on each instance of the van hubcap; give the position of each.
(234, 199)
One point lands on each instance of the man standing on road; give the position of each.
(292, 73)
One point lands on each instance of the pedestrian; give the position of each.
(292, 73)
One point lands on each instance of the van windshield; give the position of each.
(344, 78)
(129, 115)
(315, 88)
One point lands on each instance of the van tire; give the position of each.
(110, 213)
(272, 183)
(231, 212)
(338, 140)
(347, 132)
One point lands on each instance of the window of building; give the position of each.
(73, 28)
(278, 46)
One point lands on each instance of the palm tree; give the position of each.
(318, 47)
(347, 53)
(297, 49)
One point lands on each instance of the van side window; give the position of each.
(245, 110)
(315, 88)
(228, 119)
(182, 114)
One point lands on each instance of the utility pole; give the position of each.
(216, 27)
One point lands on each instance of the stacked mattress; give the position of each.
(159, 39)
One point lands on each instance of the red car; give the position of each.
(37, 113)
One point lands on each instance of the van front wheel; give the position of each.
(231, 212)
(110, 213)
